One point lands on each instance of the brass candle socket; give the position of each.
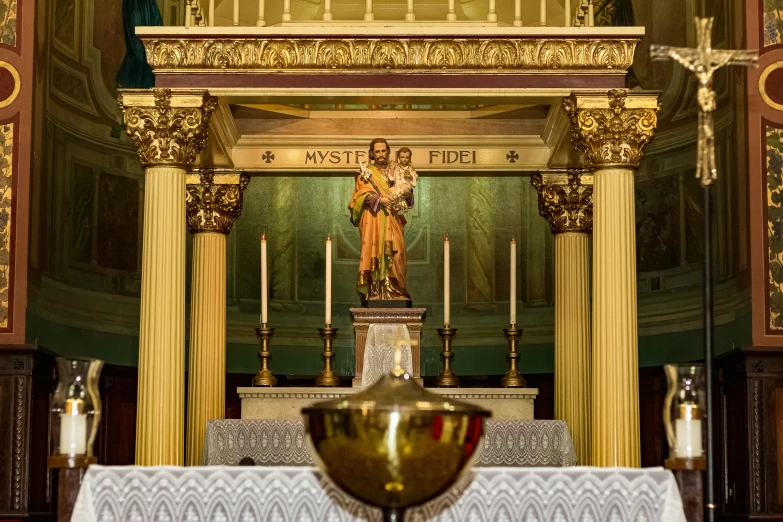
(447, 378)
(327, 377)
(264, 376)
(512, 379)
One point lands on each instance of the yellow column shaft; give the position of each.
(615, 437)
(572, 339)
(161, 391)
(207, 365)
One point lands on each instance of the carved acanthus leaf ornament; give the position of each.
(390, 54)
(567, 206)
(167, 128)
(611, 133)
(213, 207)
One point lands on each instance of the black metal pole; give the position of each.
(707, 190)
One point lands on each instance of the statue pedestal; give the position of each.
(413, 318)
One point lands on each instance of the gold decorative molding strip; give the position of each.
(390, 54)
(169, 127)
(565, 199)
(214, 200)
(612, 128)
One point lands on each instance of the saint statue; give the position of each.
(382, 195)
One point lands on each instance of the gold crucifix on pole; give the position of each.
(703, 61)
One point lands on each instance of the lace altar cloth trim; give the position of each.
(256, 494)
(379, 351)
(283, 443)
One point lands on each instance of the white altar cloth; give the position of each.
(527, 443)
(302, 494)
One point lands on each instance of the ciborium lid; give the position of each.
(396, 391)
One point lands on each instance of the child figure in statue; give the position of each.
(405, 178)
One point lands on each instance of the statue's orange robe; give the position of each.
(383, 256)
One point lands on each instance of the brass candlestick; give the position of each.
(447, 378)
(512, 379)
(264, 376)
(327, 377)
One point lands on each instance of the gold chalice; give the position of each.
(394, 445)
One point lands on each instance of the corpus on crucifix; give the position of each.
(703, 61)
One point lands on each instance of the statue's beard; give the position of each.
(381, 162)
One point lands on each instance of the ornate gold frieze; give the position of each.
(391, 54)
(566, 200)
(168, 127)
(213, 200)
(612, 128)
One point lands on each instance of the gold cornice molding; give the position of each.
(214, 200)
(390, 54)
(168, 126)
(565, 199)
(612, 128)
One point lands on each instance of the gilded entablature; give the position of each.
(213, 200)
(391, 54)
(565, 200)
(168, 127)
(612, 129)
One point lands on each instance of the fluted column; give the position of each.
(565, 199)
(611, 129)
(168, 128)
(214, 201)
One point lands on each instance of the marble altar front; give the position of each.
(287, 403)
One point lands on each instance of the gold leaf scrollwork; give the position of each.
(393, 54)
(166, 134)
(212, 207)
(568, 207)
(613, 135)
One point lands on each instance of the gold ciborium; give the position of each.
(394, 445)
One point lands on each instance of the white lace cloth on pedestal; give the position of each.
(527, 443)
(256, 494)
(382, 339)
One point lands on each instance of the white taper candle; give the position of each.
(264, 282)
(446, 283)
(328, 280)
(513, 283)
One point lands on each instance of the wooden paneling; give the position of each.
(652, 390)
(115, 443)
(750, 435)
(779, 435)
(25, 386)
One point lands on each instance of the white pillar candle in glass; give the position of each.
(328, 280)
(688, 435)
(687, 431)
(73, 429)
(513, 283)
(446, 282)
(264, 282)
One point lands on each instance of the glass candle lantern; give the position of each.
(76, 407)
(683, 410)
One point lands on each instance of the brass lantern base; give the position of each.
(264, 376)
(512, 379)
(327, 377)
(447, 378)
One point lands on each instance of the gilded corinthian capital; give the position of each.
(168, 127)
(214, 200)
(565, 199)
(612, 128)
